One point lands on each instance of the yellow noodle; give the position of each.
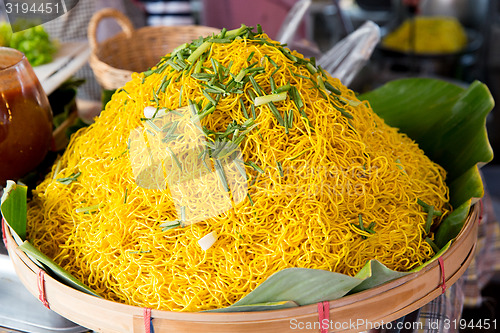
(333, 170)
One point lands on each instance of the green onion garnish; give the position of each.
(170, 225)
(250, 199)
(70, 179)
(261, 100)
(427, 207)
(222, 176)
(432, 244)
(250, 56)
(199, 51)
(174, 158)
(280, 169)
(255, 166)
(87, 209)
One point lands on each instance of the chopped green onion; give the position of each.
(250, 56)
(353, 103)
(210, 98)
(153, 125)
(206, 112)
(255, 166)
(290, 118)
(275, 70)
(285, 122)
(222, 176)
(203, 76)
(273, 84)
(311, 68)
(182, 63)
(252, 108)
(199, 51)
(183, 213)
(427, 207)
(139, 252)
(125, 196)
(360, 220)
(170, 225)
(179, 48)
(221, 40)
(428, 222)
(261, 100)
(87, 209)
(296, 98)
(223, 33)
(322, 71)
(271, 61)
(70, 179)
(362, 227)
(399, 165)
(170, 128)
(255, 69)
(289, 55)
(321, 83)
(240, 75)
(174, 158)
(238, 163)
(284, 88)
(180, 96)
(236, 32)
(250, 199)
(334, 90)
(197, 67)
(276, 113)
(342, 111)
(243, 108)
(254, 180)
(432, 244)
(280, 169)
(301, 76)
(174, 65)
(256, 86)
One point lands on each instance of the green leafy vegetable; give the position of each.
(35, 43)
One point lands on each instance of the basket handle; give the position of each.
(120, 18)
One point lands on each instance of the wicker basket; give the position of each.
(375, 306)
(115, 59)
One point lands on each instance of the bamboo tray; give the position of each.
(371, 307)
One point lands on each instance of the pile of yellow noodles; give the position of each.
(303, 211)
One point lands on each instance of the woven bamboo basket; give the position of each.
(374, 306)
(115, 59)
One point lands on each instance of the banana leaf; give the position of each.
(449, 124)
(13, 207)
